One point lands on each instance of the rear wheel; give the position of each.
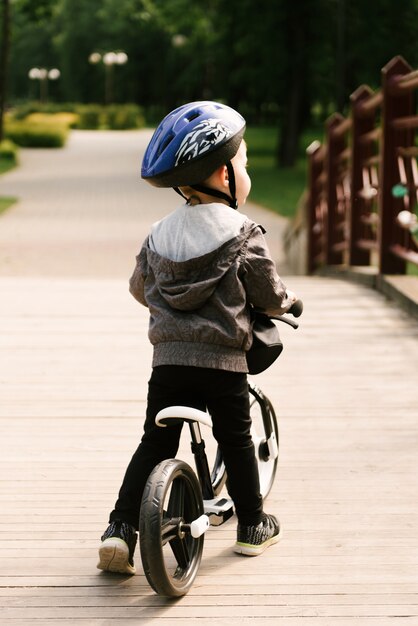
(170, 555)
(263, 419)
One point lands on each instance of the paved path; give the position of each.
(84, 211)
(73, 371)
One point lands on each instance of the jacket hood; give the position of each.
(187, 285)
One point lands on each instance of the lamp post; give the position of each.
(109, 59)
(43, 75)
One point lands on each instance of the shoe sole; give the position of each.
(114, 557)
(248, 549)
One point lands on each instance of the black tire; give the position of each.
(267, 464)
(170, 558)
(260, 406)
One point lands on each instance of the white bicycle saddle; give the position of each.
(183, 413)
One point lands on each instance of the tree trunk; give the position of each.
(296, 23)
(290, 126)
(4, 60)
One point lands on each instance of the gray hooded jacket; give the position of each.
(200, 307)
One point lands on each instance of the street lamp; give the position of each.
(109, 59)
(43, 75)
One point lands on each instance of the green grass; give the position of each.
(276, 188)
(6, 202)
(6, 165)
(412, 269)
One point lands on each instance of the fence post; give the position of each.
(335, 145)
(395, 104)
(361, 150)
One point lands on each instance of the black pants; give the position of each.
(225, 395)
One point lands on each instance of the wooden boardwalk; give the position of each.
(74, 364)
(74, 367)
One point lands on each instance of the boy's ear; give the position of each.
(219, 179)
(223, 176)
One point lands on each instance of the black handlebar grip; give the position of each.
(296, 308)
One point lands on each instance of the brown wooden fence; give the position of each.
(363, 179)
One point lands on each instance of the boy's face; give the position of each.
(242, 180)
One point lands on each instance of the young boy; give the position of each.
(198, 272)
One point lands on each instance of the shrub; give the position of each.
(23, 110)
(8, 151)
(90, 116)
(124, 116)
(114, 117)
(33, 135)
(8, 155)
(70, 120)
(83, 116)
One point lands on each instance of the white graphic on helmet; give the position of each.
(201, 139)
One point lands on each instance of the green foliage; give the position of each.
(275, 61)
(275, 188)
(34, 135)
(22, 111)
(122, 117)
(36, 10)
(242, 51)
(90, 117)
(115, 117)
(8, 153)
(412, 269)
(6, 202)
(8, 160)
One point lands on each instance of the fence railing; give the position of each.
(363, 179)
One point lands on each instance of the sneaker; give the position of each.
(253, 540)
(116, 552)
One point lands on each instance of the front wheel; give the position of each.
(264, 421)
(170, 555)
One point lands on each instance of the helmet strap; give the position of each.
(216, 193)
(177, 190)
(231, 200)
(232, 184)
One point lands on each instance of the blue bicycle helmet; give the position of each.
(190, 144)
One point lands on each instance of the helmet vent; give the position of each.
(165, 144)
(193, 116)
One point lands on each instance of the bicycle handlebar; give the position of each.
(296, 309)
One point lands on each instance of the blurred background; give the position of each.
(118, 64)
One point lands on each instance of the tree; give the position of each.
(299, 42)
(271, 59)
(31, 44)
(4, 60)
(78, 34)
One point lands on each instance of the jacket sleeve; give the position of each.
(264, 287)
(137, 280)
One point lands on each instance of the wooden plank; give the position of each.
(219, 621)
(42, 597)
(178, 611)
(345, 490)
(72, 399)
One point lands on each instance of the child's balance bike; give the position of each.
(178, 506)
